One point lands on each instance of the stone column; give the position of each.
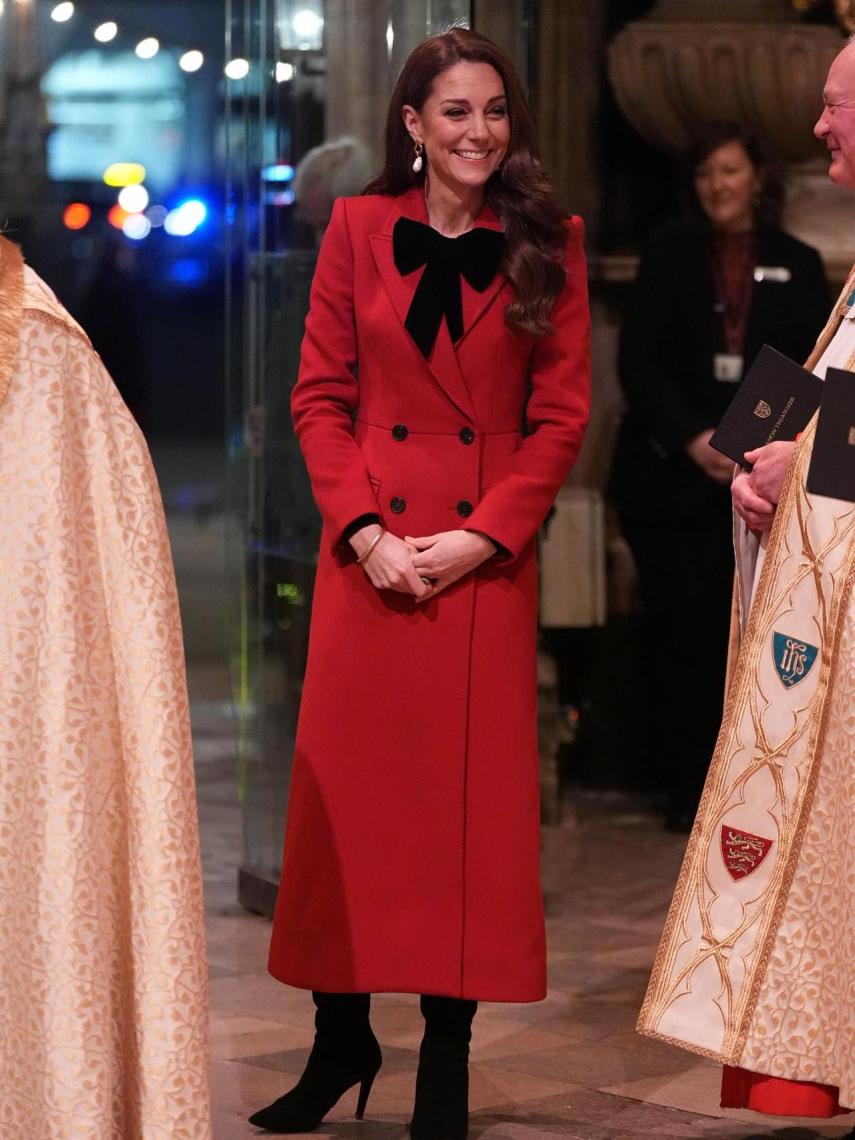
(367, 42)
(505, 23)
(23, 117)
(567, 99)
(358, 70)
(569, 80)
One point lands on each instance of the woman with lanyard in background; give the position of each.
(709, 293)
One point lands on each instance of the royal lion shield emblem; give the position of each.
(794, 658)
(742, 852)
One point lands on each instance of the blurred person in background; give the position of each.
(335, 169)
(449, 304)
(710, 292)
(338, 168)
(103, 1018)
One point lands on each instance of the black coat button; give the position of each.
(466, 435)
(398, 505)
(400, 432)
(465, 508)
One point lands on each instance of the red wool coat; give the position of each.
(412, 848)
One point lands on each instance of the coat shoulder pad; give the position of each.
(367, 209)
(574, 227)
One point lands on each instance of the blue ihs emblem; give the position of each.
(793, 658)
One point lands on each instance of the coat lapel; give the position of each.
(443, 363)
(476, 304)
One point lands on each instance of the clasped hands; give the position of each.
(756, 492)
(403, 564)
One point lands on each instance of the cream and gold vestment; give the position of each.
(756, 967)
(103, 1023)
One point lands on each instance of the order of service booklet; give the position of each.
(832, 466)
(775, 401)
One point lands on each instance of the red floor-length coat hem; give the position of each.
(412, 848)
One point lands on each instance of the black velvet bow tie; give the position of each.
(475, 254)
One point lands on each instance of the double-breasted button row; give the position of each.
(401, 431)
(398, 506)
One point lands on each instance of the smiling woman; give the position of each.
(448, 307)
(464, 130)
(728, 185)
(514, 186)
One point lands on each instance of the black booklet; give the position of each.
(832, 465)
(776, 400)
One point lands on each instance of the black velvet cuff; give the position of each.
(501, 551)
(357, 524)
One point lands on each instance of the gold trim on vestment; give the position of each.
(11, 308)
(687, 1046)
(740, 945)
(40, 298)
(61, 319)
(832, 324)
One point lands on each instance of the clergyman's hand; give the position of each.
(769, 469)
(757, 512)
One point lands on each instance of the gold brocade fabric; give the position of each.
(103, 1023)
(804, 1020)
(757, 962)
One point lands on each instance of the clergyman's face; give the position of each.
(836, 125)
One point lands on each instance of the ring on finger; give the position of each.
(427, 581)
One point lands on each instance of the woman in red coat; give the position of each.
(442, 398)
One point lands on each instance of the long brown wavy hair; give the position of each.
(519, 191)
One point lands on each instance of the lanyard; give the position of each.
(734, 283)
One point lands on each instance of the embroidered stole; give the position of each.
(732, 894)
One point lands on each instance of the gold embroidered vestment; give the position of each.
(756, 967)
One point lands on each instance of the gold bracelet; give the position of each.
(366, 554)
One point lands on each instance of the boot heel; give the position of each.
(364, 1093)
(345, 1054)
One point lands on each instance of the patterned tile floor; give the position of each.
(569, 1066)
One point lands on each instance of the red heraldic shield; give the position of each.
(742, 852)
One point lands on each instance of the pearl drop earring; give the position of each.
(418, 161)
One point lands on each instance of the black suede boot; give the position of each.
(442, 1086)
(345, 1053)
